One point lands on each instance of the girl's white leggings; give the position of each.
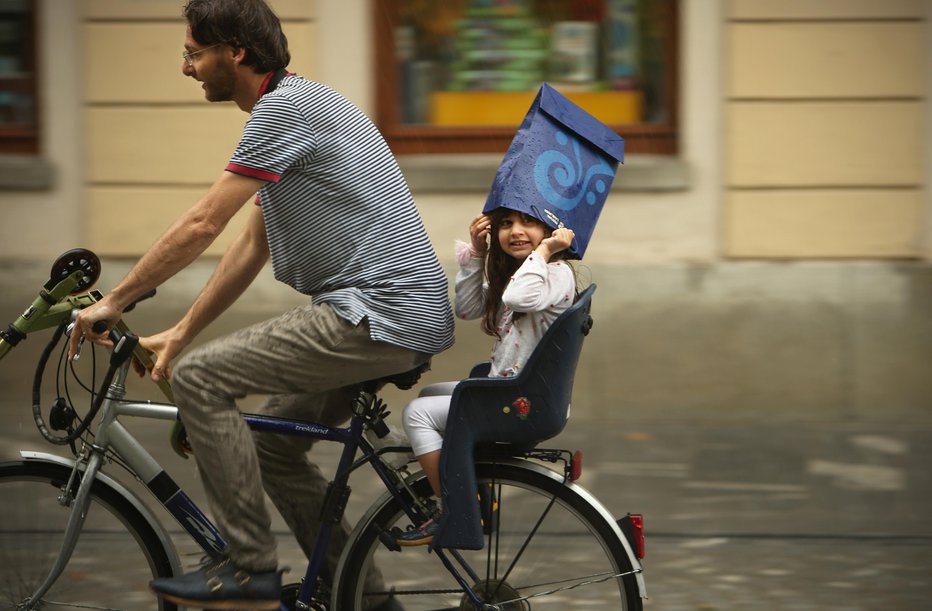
(425, 418)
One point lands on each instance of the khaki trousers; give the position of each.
(307, 360)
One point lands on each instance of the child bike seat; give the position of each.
(521, 411)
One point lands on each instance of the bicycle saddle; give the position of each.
(404, 380)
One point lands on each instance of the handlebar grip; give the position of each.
(147, 295)
(100, 326)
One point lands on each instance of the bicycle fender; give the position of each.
(592, 500)
(118, 488)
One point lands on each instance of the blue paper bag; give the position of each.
(559, 167)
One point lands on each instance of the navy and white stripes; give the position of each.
(341, 222)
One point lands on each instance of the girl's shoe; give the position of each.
(422, 535)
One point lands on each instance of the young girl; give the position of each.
(524, 287)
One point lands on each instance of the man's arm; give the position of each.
(239, 266)
(185, 240)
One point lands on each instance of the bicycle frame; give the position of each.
(112, 436)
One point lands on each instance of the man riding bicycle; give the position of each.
(333, 213)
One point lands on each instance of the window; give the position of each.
(458, 76)
(18, 128)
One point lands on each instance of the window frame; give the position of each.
(660, 138)
(25, 140)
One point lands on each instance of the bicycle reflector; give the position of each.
(576, 466)
(632, 525)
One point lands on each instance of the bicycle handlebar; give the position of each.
(55, 306)
(44, 312)
(101, 325)
(67, 292)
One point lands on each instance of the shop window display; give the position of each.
(458, 75)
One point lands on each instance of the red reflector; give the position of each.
(637, 532)
(576, 466)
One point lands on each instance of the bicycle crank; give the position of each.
(493, 591)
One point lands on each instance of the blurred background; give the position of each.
(765, 246)
(763, 260)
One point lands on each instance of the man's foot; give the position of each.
(219, 584)
(422, 535)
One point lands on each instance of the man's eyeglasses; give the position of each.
(188, 55)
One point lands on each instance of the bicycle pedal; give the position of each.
(390, 539)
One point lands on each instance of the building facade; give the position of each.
(778, 260)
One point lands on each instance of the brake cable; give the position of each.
(122, 350)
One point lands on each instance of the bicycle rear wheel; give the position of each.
(548, 548)
(116, 556)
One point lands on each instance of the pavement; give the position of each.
(755, 511)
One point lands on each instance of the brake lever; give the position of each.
(77, 353)
(123, 347)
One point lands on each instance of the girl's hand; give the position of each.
(559, 240)
(479, 231)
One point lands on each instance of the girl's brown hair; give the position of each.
(500, 267)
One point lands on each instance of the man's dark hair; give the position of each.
(246, 24)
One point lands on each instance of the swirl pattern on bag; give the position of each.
(564, 181)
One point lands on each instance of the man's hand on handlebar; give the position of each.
(165, 346)
(90, 324)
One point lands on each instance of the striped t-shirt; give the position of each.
(341, 223)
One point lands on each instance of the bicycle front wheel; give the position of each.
(116, 556)
(546, 547)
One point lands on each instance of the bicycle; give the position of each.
(547, 542)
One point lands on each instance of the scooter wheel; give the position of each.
(74, 260)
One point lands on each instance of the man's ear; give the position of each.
(239, 54)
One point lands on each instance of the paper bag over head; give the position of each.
(559, 168)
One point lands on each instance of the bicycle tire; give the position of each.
(574, 545)
(116, 556)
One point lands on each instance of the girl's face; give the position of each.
(519, 234)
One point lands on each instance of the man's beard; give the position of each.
(221, 84)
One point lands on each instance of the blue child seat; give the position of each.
(515, 413)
